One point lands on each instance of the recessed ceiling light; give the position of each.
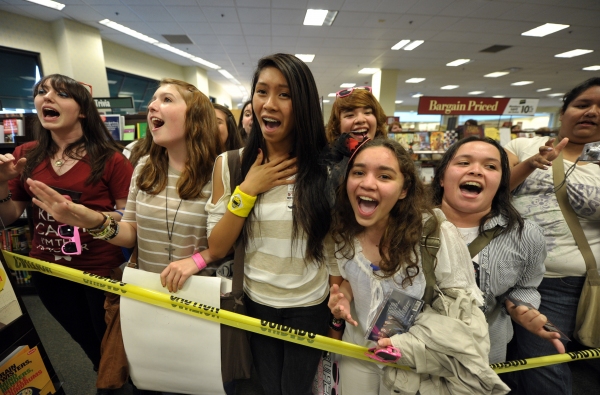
(400, 44)
(476, 92)
(398, 101)
(544, 30)
(347, 85)
(458, 62)
(555, 94)
(417, 95)
(326, 101)
(591, 68)
(498, 96)
(496, 74)
(331, 95)
(521, 83)
(367, 70)
(413, 45)
(306, 58)
(226, 74)
(319, 17)
(543, 89)
(449, 87)
(143, 37)
(415, 80)
(573, 53)
(49, 3)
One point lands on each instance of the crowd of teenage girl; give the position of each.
(333, 220)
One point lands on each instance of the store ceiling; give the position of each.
(234, 34)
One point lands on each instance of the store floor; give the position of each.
(79, 378)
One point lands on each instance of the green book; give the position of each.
(141, 129)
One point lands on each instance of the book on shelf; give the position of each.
(12, 127)
(24, 372)
(395, 315)
(424, 142)
(9, 305)
(129, 133)
(436, 141)
(141, 128)
(114, 123)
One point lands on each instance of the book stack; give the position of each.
(24, 372)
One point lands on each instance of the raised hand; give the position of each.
(263, 177)
(9, 168)
(547, 154)
(63, 209)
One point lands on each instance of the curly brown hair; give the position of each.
(358, 98)
(401, 240)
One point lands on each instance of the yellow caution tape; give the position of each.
(278, 331)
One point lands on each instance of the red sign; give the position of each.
(475, 106)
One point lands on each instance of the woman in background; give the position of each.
(245, 121)
(228, 131)
(357, 112)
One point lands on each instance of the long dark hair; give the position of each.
(234, 140)
(310, 211)
(401, 240)
(578, 90)
(202, 144)
(96, 141)
(501, 204)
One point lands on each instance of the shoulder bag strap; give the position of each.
(430, 245)
(483, 239)
(235, 175)
(558, 172)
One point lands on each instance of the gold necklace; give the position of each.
(59, 163)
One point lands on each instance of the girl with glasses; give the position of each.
(74, 154)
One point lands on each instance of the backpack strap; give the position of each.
(430, 245)
(235, 175)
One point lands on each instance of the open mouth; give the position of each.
(271, 123)
(50, 113)
(587, 123)
(471, 188)
(359, 135)
(366, 205)
(157, 122)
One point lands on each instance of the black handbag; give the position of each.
(236, 357)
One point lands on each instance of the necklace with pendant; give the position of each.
(170, 249)
(59, 162)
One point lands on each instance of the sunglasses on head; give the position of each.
(348, 91)
(70, 233)
(88, 87)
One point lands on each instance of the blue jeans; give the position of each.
(560, 297)
(286, 368)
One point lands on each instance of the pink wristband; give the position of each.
(200, 262)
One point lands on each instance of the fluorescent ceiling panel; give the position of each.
(544, 30)
(573, 53)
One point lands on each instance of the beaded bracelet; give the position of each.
(241, 203)
(100, 227)
(199, 260)
(6, 199)
(107, 232)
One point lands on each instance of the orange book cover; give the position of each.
(25, 371)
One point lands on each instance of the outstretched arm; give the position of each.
(10, 210)
(521, 170)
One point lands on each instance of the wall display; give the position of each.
(479, 106)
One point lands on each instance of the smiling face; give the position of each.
(470, 182)
(247, 118)
(374, 185)
(360, 122)
(580, 121)
(272, 104)
(166, 117)
(57, 110)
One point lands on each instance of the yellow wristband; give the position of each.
(240, 203)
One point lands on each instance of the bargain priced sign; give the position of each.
(479, 106)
